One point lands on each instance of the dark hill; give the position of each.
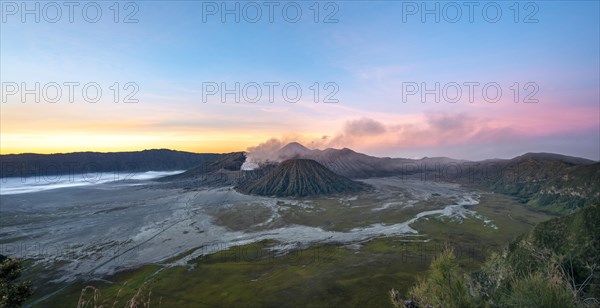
(554, 157)
(549, 182)
(300, 178)
(20, 165)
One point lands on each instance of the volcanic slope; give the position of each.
(301, 178)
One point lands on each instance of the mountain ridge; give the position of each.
(30, 164)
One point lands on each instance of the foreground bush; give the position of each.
(13, 293)
(555, 265)
(444, 286)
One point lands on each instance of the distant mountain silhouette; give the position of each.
(292, 150)
(19, 165)
(555, 157)
(351, 164)
(300, 178)
(570, 160)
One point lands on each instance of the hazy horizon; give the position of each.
(367, 153)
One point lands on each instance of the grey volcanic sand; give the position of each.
(96, 230)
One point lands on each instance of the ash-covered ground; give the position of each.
(91, 231)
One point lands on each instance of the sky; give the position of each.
(379, 77)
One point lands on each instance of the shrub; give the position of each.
(444, 286)
(536, 290)
(13, 293)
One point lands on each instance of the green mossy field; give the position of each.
(320, 275)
